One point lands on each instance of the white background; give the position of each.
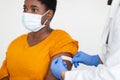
(84, 20)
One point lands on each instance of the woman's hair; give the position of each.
(109, 2)
(50, 4)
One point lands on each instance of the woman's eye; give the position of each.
(34, 10)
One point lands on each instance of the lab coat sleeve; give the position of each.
(114, 7)
(97, 73)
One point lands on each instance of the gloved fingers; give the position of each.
(81, 53)
(76, 59)
(77, 55)
(64, 63)
(71, 62)
(57, 67)
(56, 61)
(59, 59)
(76, 64)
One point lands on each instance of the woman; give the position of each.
(28, 57)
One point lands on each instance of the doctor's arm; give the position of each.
(101, 72)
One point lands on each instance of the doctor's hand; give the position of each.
(82, 57)
(57, 67)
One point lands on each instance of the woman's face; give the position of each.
(34, 7)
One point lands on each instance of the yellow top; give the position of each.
(31, 63)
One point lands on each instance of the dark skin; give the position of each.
(49, 75)
(36, 7)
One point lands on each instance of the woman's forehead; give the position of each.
(36, 3)
(32, 2)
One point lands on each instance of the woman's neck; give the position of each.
(36, 37)
(44, 31)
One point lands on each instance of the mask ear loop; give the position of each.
(45, 23)
(45, 13)
(45, 20)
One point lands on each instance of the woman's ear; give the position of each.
(48, 17)
(50, 14)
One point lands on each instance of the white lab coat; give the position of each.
(110, 69)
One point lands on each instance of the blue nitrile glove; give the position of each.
(82, 57)
(57, 66)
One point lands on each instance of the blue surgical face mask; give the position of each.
(32, 22)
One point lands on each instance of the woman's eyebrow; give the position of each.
(33, 6)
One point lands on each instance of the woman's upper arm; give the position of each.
(64, 45)
(49, 75)
(5, 78)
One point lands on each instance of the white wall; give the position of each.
(83, 19)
